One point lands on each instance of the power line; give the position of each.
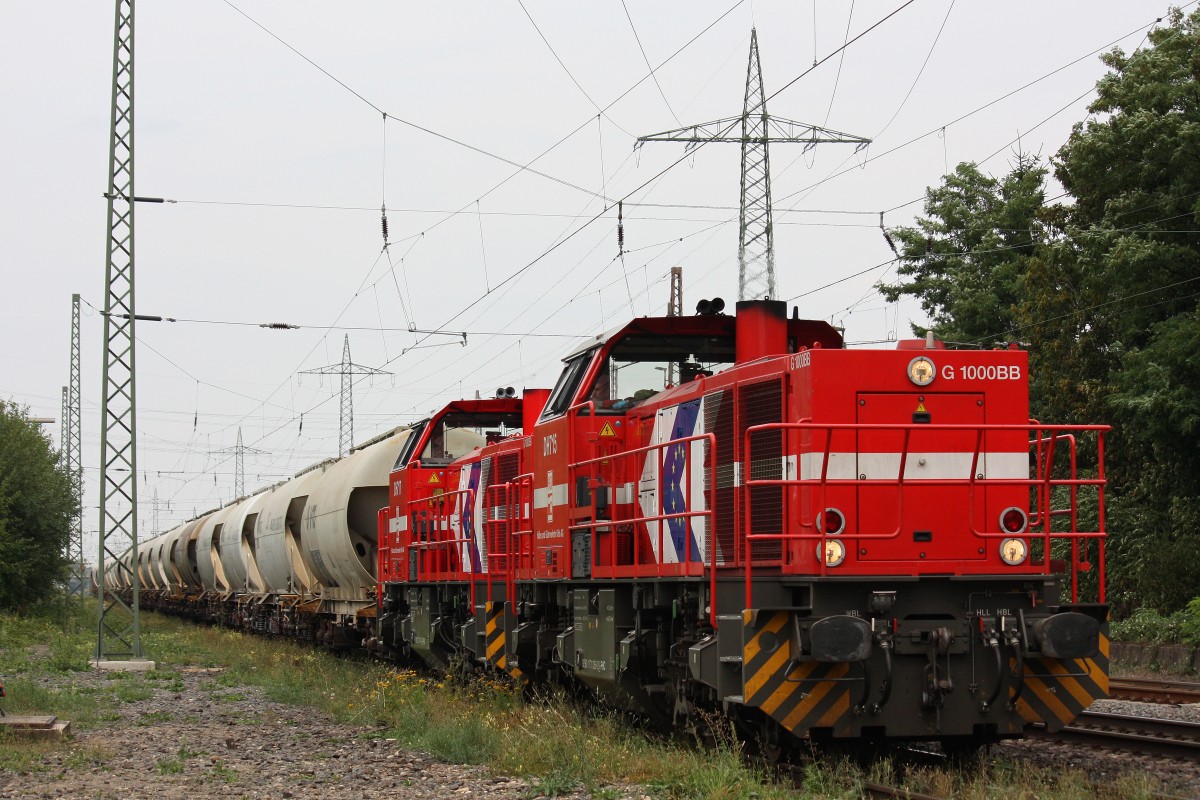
(967, 115)
(920, 72)
(557, 58)
(841, 60)
(641, 186)
(533, 214)
(646, 58)
(513, 276)
(392, 117)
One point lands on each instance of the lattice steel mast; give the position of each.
(75, 449)
(675, 309)
(118, 630)
(756, 238)
(239, 464)
(347, 369)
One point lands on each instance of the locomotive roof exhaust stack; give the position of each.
(533, 401)
(761, 329)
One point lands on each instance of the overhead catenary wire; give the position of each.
(631, 204)
(401, 120)
(520, 271)
(838, 78)
(418, 237)
(586, 224)
(989, 104)
(561, 63)
(646, 58)
(920, 72)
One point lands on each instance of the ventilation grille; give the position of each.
(507, 466)
(486, 474)
(759, 404)
(718, 420)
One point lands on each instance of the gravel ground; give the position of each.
(210, 741)
(1181, 779)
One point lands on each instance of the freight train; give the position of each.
(724, 514)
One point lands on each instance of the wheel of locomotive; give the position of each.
(774, 744)
(462, 667)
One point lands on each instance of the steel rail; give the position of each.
(1171, 738)
(1147, 690)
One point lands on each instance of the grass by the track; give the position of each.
(557, 745)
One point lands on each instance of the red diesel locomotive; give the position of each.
(736, 513)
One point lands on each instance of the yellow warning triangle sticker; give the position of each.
(607, 430)
(920, 408)
(433, 478)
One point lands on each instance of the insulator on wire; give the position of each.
(887, 237)
(620, 227)
(383, 223)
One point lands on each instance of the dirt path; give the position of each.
(195, 738)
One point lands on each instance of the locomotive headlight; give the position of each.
(1013, 551)
(921, 371)
(835, 552)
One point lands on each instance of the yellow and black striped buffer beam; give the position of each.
(799, 695)
(495, 639)
(1057, 691)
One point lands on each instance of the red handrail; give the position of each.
(662, 517)
(441, 521)
(1043, 484)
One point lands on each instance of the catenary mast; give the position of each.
(756, 237)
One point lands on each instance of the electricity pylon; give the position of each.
(118, 629)
(675, 304)
(73, 446)
(239, 463)
(675, 309)
(347, 369)
(756, 237)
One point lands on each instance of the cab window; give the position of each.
(568, 384)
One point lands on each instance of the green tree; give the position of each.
(1129, 264)
(36, 502)
(966, 257)
(1106, 288)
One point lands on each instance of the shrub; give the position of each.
(1190, 622)
(1147, 625)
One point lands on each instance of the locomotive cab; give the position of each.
(426, 554)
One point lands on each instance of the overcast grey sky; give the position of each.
(279, 173)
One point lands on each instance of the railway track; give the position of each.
(1163, 737)
(878, 791)
(1154, 691)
